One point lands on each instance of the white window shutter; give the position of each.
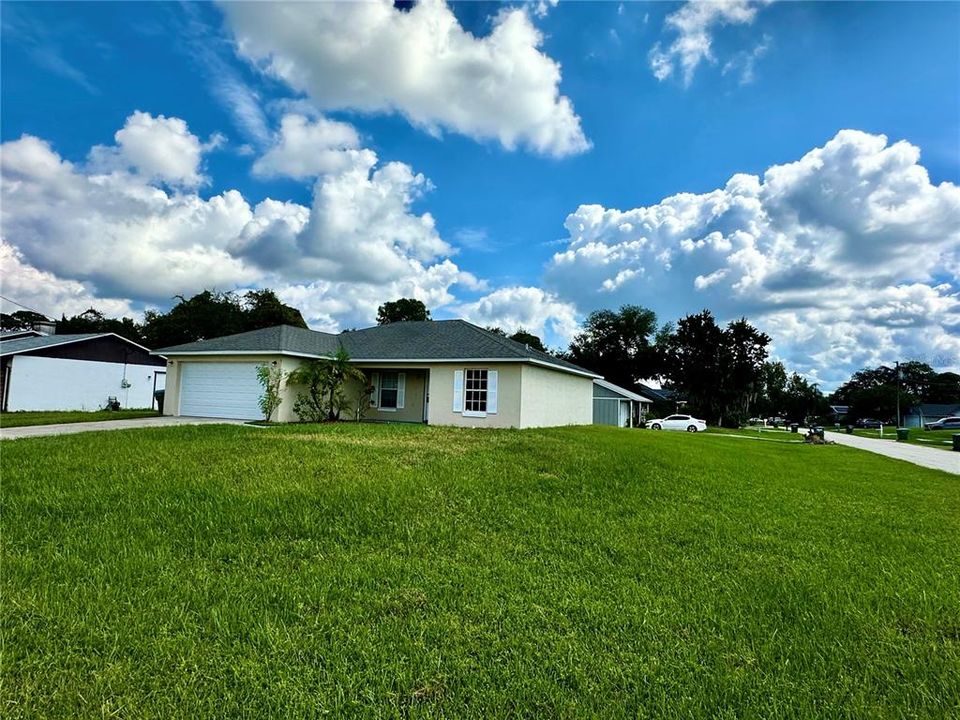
(492, 392)
(375, 397)
(401, 389)
(458, 390)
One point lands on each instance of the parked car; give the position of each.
(677, 422)
(868, 423)
(947, 423)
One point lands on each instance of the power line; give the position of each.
(25, 307)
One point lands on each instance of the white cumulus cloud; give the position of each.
(114, 232)
(305, 148)
(156, 148)
(371, 57)
(530, 308)
(847, 256)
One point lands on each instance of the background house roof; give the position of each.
(414, 340)
(657, 394)
(26, 344)
(11, 334)
(21, 345)
(621, 391)
(936, 409)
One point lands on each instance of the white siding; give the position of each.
(42, 383)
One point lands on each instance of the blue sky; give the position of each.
(510, 198)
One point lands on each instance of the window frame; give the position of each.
(396, 391)
(480, 393)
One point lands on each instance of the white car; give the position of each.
(678, 422)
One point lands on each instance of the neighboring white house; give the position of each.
(77, 372)
(443, 372)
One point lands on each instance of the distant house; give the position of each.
(839, 412)
(76, 372)
(920, 415)
(441, 372)
(614, 405)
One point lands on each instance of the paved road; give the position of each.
(70, 428)
(945, 460)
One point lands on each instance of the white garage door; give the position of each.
(223, 390)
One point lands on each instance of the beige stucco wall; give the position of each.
(527, 395)
(555, 398)
(508, 396)
(412, 410)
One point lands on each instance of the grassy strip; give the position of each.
(25, 418)
(397, 571)
(773, 434)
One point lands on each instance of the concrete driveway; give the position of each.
(945, 460)
(71, 428)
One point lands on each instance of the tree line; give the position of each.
(720, 372)
(205, 315)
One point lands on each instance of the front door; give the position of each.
(426, 396)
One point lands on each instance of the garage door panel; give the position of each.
(225, 390)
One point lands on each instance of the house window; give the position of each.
(389, 385)
(475, 391)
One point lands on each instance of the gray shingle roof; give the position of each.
(419, 341)
(21, 345)
(279, 338)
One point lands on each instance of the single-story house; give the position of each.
(839, 412)
(441, 372)
(77, 372)
(920, 415)
(614, 405)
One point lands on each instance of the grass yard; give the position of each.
(24, 418)
(405, 571)
(763, 433)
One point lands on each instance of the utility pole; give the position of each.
(898, 393)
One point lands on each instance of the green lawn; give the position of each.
(404, 571)
(763, 433)
(54, 417)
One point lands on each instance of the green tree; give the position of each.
(94, 321)
(21, 320)
(205, 315)
(402, 310)
(325, 384)
(802, 399)
(943, 388)
(874, 392)
(773, 377)
(528, 338)
(744, 352)
(618, 345)
(720, 371)
(262, 309)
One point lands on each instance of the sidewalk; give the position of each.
(71, 428)
(945, 460)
